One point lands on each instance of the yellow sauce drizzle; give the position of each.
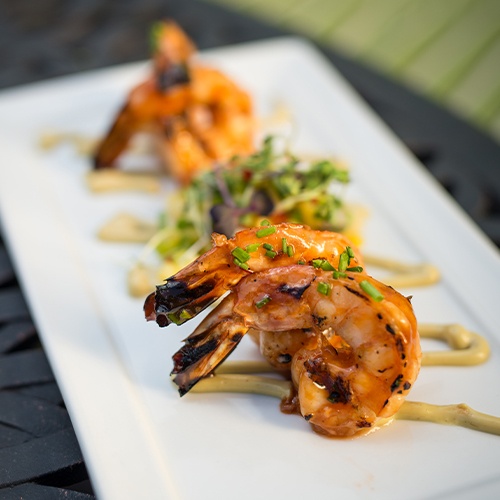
(467, 348)
(109, 180)
(84, 146)
(250, 384)
(127, 228)
(403, 274)
(460, 414)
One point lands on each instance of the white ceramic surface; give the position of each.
(140, 440)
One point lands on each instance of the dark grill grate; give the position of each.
(39, 453)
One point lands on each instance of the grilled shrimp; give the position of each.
(196, 113)
(164, 93)
(215, 125)
(354, 358)
(206, 279)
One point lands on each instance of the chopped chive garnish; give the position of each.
(265, 231)
(252, 247)
(240, 254)
(155, 34)
(322, 264)
(343, 261)
(326, 266)
(350, 252)
(339, 274)
(185, 314)
(265, 222)
(175, 319)
(301, 262)
(243, 265)
(290, 251)
(268, 246)
(355, 269)
(262, 302)
(284, 245)
(370, 290)
(323, 288)
(271, 254)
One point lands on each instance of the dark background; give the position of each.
(39, 455)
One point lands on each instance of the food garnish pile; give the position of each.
(269, 237)
(243, 191)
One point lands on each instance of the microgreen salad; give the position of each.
(268, 184)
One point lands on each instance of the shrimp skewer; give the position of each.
(359, 357)
(205, 280)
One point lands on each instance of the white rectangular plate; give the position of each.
(139, 439)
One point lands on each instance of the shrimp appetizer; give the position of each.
(202, 282)
(349, 342)
(196, 114)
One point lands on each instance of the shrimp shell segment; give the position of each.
(205, 280)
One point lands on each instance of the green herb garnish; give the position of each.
(322, 264)
(185, 314)
(284, 245)
(343, 261)
(253, 247)
(323, 288)
(240, 254)
(243, 265)
(262, 302)
(265, 231)
(371, 291)
(154, 35)
(355, 269)
(339, 274)
(268, 183)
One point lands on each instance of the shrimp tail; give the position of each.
(195, 287)
(175, 302)
(121, 132)
(208, 346)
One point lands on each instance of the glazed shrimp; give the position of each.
(164, 93)
(279, 347)
(196, 113)
(215, 125)
(356, 362)
(206, 279)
